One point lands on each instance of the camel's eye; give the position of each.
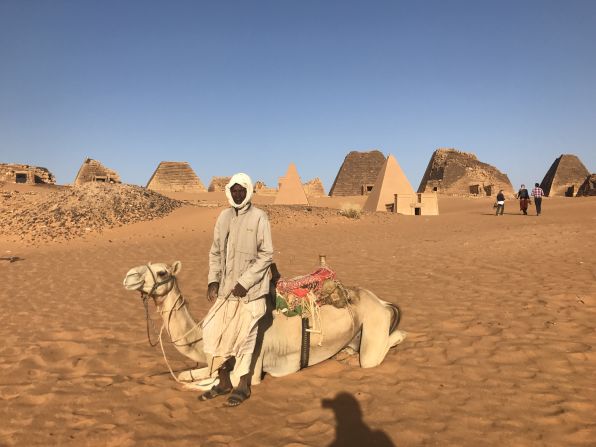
(162, 273)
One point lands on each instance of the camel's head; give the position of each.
(156, 280)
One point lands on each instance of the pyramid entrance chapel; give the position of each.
(565, 176)
(175, 176)
(26, 174)
(393, 192)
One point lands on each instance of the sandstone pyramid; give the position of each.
(450, 171)
(218, 184)
(588, 188)
(390, 181)
(175, 176)
(314, 188)
(565, 176)
(291, 191)
(357, 174)
(93, 171)
(18, 173)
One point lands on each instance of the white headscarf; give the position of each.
(244, 181)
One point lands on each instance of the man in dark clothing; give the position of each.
(524, 199)
(538, 194)
(500, 203)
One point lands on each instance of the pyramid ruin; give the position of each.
(175, 176)
(393, 192)
(565, 176)
(93, 171)
(30, 175)
(357, 174)
(453, 172)
(262, 188)
(290, 190)
(588, 187)
(218, 184)
(314, 188)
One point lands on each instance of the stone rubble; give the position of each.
(72, 212)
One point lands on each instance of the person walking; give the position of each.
(500, 203)
(538, 194)
(524, 199)
(239, 263)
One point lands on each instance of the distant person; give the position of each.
(500, 203)
(524, 199)
(538, 194)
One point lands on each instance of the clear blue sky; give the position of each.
(254, 85)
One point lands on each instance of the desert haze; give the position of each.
(500, 315)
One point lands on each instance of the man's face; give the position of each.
(238, 193)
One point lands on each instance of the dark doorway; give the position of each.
(570, 191)
(418, 211)
(21, 177)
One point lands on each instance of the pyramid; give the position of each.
(357, 173)
(175, 176)
(588, 188)
(93, 171)
(391, 180)
(565, 176)
(291, 191)
(453, 172)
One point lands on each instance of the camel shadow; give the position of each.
(350, 429)
(11, 258)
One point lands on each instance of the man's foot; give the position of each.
(237, 397)
(214, 392)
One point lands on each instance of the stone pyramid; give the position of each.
(291, 191)
(565, 176)
(588, 188)
(175, 176)
(357, 173)
(93, 171)
(391, 180)
(453, 172)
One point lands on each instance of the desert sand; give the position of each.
(500, 314)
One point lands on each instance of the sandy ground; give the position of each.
(500, 313)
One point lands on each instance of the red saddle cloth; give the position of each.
(301, 285)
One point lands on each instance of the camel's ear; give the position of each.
(176, 267)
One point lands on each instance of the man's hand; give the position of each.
(212, 290)
(239, 291)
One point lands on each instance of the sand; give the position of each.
(500, 313)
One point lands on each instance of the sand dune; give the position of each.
(500, 313)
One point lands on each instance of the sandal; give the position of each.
(214, 392)
(237, 398)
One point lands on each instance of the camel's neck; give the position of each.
(178, 321)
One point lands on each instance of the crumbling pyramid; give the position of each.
(450, 171)
(314, 188)
(390, 181)
(565, 176)
(93, 171)
(18, 173)
(588, 187)
(218, 184)
(175, 176)
(290, 190)
(357, 174)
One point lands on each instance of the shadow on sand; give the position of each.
(350, 429)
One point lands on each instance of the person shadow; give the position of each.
(350, 429)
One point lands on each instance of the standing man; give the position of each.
(524, 199)
(538, 194)
(239, 261)
(500, 203)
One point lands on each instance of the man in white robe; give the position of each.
(239, 261)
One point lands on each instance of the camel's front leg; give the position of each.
(258, 370)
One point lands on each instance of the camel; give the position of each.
(368, 326)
